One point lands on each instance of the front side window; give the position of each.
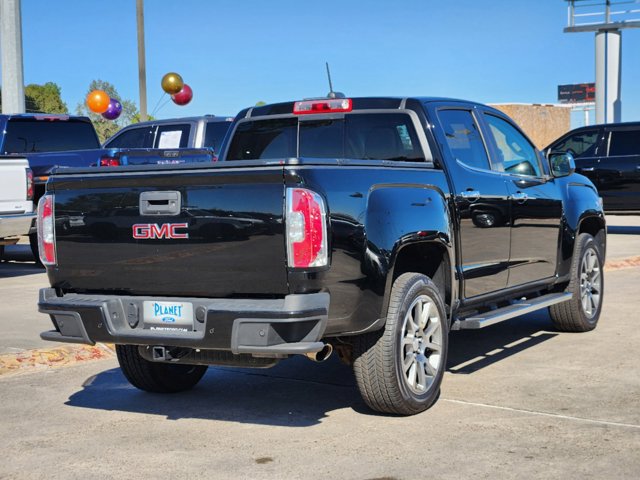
(515, 154)
(376, 136)
(624, 142)
(172, 136)
(581, 144)
(463, 138)
(133, 138)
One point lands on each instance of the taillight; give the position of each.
(306, 229)
(46, 231)
(323, 106)
(107, 161)
(29, 184)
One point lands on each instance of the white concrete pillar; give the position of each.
(11, 46)
(608, 78)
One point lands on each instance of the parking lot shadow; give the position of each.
(9, 269)
(471, 350)
(17, 261)
(295, 393)
(298, 392)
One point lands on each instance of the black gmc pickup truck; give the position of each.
(372, 226)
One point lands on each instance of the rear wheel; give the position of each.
(154, 376)
(581, 313)
(400, 369)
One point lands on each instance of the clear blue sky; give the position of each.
(234, 53)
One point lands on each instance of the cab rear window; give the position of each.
(378, 136)
(27, 135)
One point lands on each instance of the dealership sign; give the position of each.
(577, 93)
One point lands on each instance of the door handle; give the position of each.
(470, 195)
(520, 197)
(587, 169)
(160, 203)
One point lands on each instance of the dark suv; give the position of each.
(610, 156)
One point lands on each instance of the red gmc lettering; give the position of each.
(145, 231)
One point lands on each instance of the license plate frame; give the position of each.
(168, 316)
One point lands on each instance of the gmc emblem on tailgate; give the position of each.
(145, 231)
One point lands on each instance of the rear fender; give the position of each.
(406, 225)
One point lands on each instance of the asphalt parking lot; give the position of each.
(520, 400)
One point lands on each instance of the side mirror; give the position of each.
(561, 163)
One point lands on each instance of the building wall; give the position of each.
(542, 123)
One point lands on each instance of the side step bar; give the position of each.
(505, 313)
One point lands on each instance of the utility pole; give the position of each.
(142, 69)
(11, 45)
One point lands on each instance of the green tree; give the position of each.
(106, 128)
(136, 118)
(260, 103)
(43, 99)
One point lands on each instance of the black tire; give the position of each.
(573, 316)
(157, 377)
(382, 377)
(33, 242)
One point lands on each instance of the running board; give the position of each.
(505, 313)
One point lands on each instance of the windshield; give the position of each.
(375, 136)
(26, 135)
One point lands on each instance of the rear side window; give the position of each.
(214, 134)
(379, 136)
(31, 135)
(172, 136)
(624, 142)
(581, 144)
(463, 138)
(133, 138)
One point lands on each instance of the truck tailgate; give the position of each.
(13, 186)
(231, 216)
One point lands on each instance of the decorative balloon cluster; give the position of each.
(180, 92)
(99, 102)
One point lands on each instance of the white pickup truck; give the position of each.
(16, 200)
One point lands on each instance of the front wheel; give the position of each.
(400, 369)
(154, 376)
(581, 313)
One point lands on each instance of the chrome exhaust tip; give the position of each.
(321, 355)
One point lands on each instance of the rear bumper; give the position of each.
(15, 225)
(292, 325)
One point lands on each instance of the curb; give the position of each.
(622, 263)
(46, 358)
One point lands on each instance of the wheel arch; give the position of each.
(432, 258)
(596, 227)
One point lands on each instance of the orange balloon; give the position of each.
(98, 101)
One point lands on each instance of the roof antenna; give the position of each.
(331, 93)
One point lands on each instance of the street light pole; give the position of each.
(142, 71)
